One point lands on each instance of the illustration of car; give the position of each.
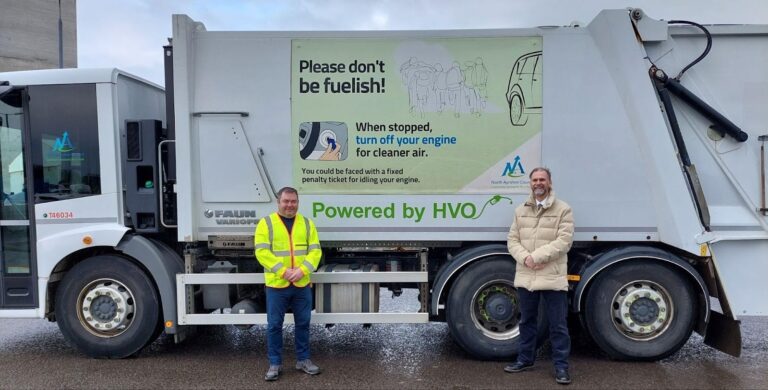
(524, 90)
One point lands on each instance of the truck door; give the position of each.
(17, 266)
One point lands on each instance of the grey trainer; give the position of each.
(273, 373)
(308, 367)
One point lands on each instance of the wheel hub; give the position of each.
(106, 308)
(500, 308)
(495, 311)
(642, 310)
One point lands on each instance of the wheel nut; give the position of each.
(119, 310)
(89, 318)
(85, 309)
(117, 300)
(658, 299)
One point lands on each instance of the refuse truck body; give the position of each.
(129, 209)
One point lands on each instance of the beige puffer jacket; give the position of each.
(545, 234)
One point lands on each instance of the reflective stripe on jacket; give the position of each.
(277, 249)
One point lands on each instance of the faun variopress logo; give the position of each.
(232, 217)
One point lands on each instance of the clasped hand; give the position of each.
(530, 264)
(293, 274)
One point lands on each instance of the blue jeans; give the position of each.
(299, 300)
(556, 308)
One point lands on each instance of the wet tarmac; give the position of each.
(34, 354)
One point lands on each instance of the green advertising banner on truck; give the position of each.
(445, 115)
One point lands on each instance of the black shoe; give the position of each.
(517, 367)
(562, 377)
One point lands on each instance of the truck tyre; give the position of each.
(107, 307)
(483, 312)
(159, 328)
(640, 310)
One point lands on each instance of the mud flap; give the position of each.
(724, 334)
(183, 333)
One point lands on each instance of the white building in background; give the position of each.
(29, 34)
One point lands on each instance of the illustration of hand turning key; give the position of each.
(332, 152)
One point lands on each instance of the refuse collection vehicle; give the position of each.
(129, 210)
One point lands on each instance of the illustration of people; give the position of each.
(440, 87)
(405, 69)
(481, 80)
(470, 94)
(455, 83)
(431, 88)
(421, 85)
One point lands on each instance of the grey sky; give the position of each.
(129, 34)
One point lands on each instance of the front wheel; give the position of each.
(517, 114)
(642, 310)
(107, 307)
(483, 310)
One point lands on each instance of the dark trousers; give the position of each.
(556, 309)
(299, 300)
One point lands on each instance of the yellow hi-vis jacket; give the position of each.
(277, 249)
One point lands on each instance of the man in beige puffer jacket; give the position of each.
(539, 240)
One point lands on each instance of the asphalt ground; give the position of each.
(34, 355)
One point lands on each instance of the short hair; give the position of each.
(289, 190)
(549, 174)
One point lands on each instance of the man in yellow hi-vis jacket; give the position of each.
(288, 248)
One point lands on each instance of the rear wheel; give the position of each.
(483, 310)
(107, 307)
(643, 310)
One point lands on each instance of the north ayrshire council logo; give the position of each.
(63, 144)
(514, 168)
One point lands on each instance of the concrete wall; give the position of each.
(29, 34)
